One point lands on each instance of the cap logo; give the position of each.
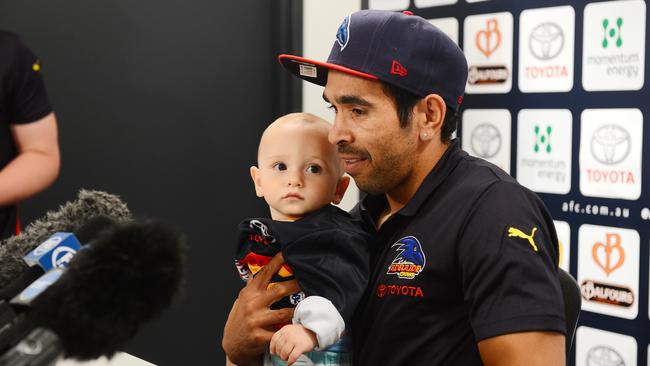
(397, 69)
(343, 33)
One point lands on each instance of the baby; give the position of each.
(299, 174)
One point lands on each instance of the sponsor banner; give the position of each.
(564, 243)
(448, 25)
(487, 45)
(486, 134)
(544, 150)
(608, 270)
(610, 153)
(613, 56)
(595, 347)
(428, 3)
(546, 46)
(388, 4)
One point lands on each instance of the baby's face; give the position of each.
(298, 170)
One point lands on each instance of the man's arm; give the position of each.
(37, 164)
(249, 327)
(525, 349)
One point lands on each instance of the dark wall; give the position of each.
(162, 103)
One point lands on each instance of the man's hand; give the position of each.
(249, 327)
(292, 341)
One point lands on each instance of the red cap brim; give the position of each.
(315, 71)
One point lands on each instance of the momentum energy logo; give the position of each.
(608, 270)
(543, 139)
(486, 134)
(614, 45)
(613, 33)
(544, 150)
(546, 49)
(610, 153)
(488, 48)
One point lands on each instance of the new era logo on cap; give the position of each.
(398, 69)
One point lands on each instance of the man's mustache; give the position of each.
(354, 151)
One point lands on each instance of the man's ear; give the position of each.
(257, 180)
(433, 108)
(341, 187)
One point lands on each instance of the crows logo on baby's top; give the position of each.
(410, 260)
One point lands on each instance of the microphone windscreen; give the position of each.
(126, 277)
(91, 229)
(67, 218)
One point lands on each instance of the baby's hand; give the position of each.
(292, 341)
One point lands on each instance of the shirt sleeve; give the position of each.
(27, 98)
(321, 317)
(332, 264)
(509, 264)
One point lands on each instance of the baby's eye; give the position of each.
(314, 169)
(280, 166)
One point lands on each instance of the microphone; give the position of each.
(68, 218)
(33, 281)
(45, 256)
(126, 277)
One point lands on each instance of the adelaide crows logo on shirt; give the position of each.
(410, 260)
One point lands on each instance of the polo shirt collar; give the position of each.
(371, 205)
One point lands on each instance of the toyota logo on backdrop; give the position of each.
(546, 41)
(486, 140)
(610, 144)
(604, 355)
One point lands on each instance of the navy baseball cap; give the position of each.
(400, 49)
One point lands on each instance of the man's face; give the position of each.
(298, 170)
(376, 151)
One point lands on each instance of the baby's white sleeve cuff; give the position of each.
(321, 317)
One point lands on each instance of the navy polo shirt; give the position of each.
(472, 255)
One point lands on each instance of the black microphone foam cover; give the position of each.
(126, 277)
(67, 218)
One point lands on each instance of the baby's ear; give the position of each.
(257, 180)
(341, 187)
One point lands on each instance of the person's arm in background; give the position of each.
(249, 327)
(38, 161)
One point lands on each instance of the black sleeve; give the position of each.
(27, 99)
(509, 264)
(332, 264)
